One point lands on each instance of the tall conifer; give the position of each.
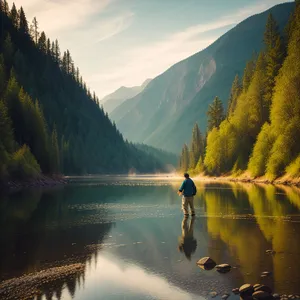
(215, 114)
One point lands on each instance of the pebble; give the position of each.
(213, 294)
(266, 273)
(276, 296)
(235, 291)
(225, 296)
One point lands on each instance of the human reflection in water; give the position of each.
(187, 243)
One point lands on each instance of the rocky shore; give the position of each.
(33, 285)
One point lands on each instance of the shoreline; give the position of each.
(41, 181)
(246, 179)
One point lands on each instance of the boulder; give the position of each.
(246, 290)
(261, 295)
(206, 263)
(223, 268)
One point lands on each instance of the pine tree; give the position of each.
(34, 30)
(274, 53)
(196, 149)
(23, 22)
(48, 51)
(6, 131)
(248, 73)
(14, 16)
(2, 74)
(215, 114)
(184, 158)
(236, 90)
(42, 42)
(57, 52)
(5, 7)
(8, 50)
(55, 151)
(285, 112)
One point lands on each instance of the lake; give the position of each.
(130, 235)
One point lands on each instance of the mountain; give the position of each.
(50, 122)
(164, 113)
(111, 101)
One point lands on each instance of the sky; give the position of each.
(124, 42)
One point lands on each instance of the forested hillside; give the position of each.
(260, 132)
(163, 114)
(50, 122)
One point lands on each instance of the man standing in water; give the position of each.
(188, 190)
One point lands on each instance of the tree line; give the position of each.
(50, 121)
(260, 129)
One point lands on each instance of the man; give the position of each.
(188, 190)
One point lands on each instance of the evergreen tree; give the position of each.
(23, 23)
(14, 16)
(55, 151)
(6, 132)
(248, 73)
(2, 74)
(5, 7)
(42, 42)
(196, 149)
(34, 30)
(184, 158)
(235, 92)
(48, 51)
(274, 53)
(215, 114)
(57, 52)
(8, 50)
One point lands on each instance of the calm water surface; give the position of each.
(135, 244)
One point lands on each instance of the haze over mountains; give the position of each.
(113, 100)
(163, 114)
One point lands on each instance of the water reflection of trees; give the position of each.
(246, 241)
(35, 234)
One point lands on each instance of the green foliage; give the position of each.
(274, 53)
(248, 73)
(47, 108)
(235, 92)
(293, 169)
(215, 114)
(23, 23)
(258, 160)
(284, 149)
(184, 159)
(213, 159)
(24, 164)
(196, 148)
(14, 16)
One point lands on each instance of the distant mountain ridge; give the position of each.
(113, 100)
(163, 114)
